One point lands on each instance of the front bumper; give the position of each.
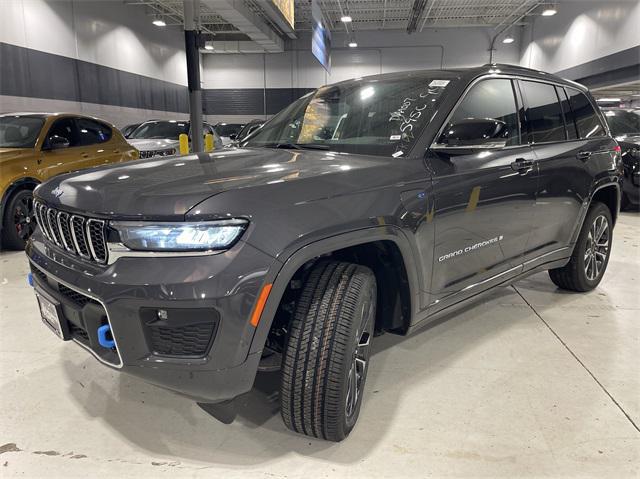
(201, 350)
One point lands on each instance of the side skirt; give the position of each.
(531, 267)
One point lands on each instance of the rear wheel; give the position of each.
(19, 220)
(591, 253)
(327, 354)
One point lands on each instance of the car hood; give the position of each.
(143, 144)
(7, 154)
(167, 188)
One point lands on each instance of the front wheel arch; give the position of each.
(22, 184)
(306, 255)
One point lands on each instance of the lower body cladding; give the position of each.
(182, 323)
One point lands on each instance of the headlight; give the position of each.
(201, 236)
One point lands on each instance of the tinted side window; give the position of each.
(569, 119)
(543, 112)
(586, 117)
(66, 128)
(490, 100)
(91, 132)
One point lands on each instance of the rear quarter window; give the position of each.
(91, 132)
(544, 113)
(587, 121)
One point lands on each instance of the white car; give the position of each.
(161, 137)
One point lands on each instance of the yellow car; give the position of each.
(36, 146)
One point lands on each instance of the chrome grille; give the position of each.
(52, 222)
(65, 229)
(77, 234)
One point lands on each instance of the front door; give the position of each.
(485, 182)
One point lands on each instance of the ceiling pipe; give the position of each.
(506, 27)
(417, 10)
(426, 15)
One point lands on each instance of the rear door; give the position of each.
(570, 143)
(484, 195)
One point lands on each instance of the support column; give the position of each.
(191, 11)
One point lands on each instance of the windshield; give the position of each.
(228, 129)
(623, 122)
(375, 116)
(152, 130)
(19, 131)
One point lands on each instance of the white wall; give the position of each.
(108, 33)
(377, 52)
(581, 31)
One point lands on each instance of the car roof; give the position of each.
(170, 120)
(471, 73)
(33, 114)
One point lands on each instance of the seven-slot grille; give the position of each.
(77, 234)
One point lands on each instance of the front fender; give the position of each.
(281, 273)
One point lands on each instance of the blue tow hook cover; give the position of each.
(104, 341)
(30, 278)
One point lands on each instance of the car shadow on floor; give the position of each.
(167, 425)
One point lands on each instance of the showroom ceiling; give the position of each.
(411, 15)
(398, 14)
(625, 92)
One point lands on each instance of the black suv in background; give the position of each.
(371, 205)
(625, 127)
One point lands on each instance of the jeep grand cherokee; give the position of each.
(370, 205)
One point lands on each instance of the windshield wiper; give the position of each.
(296, 146)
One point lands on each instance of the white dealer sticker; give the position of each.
(439, 83)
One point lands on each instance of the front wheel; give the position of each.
(19, 220)
(591, 253)
(327, 354)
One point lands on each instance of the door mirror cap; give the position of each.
(473, 133)
(56, 142)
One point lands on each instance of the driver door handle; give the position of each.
(522, 165)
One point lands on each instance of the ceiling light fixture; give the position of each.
(159, 22)
(549, 12)
(208, 46)
(608, 99)
(508, 39)
(353, 44)
(346, 19)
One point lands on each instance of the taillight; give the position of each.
(617, 149)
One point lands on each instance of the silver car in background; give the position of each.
(161, 137)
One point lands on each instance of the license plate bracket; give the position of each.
(52, 316)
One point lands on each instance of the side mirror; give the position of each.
(474, 133)
(56, 142)
(233, 136)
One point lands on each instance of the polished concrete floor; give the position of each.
(530, 382)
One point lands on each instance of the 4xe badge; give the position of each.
(57, 192)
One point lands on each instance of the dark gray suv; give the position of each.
(369, 206)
